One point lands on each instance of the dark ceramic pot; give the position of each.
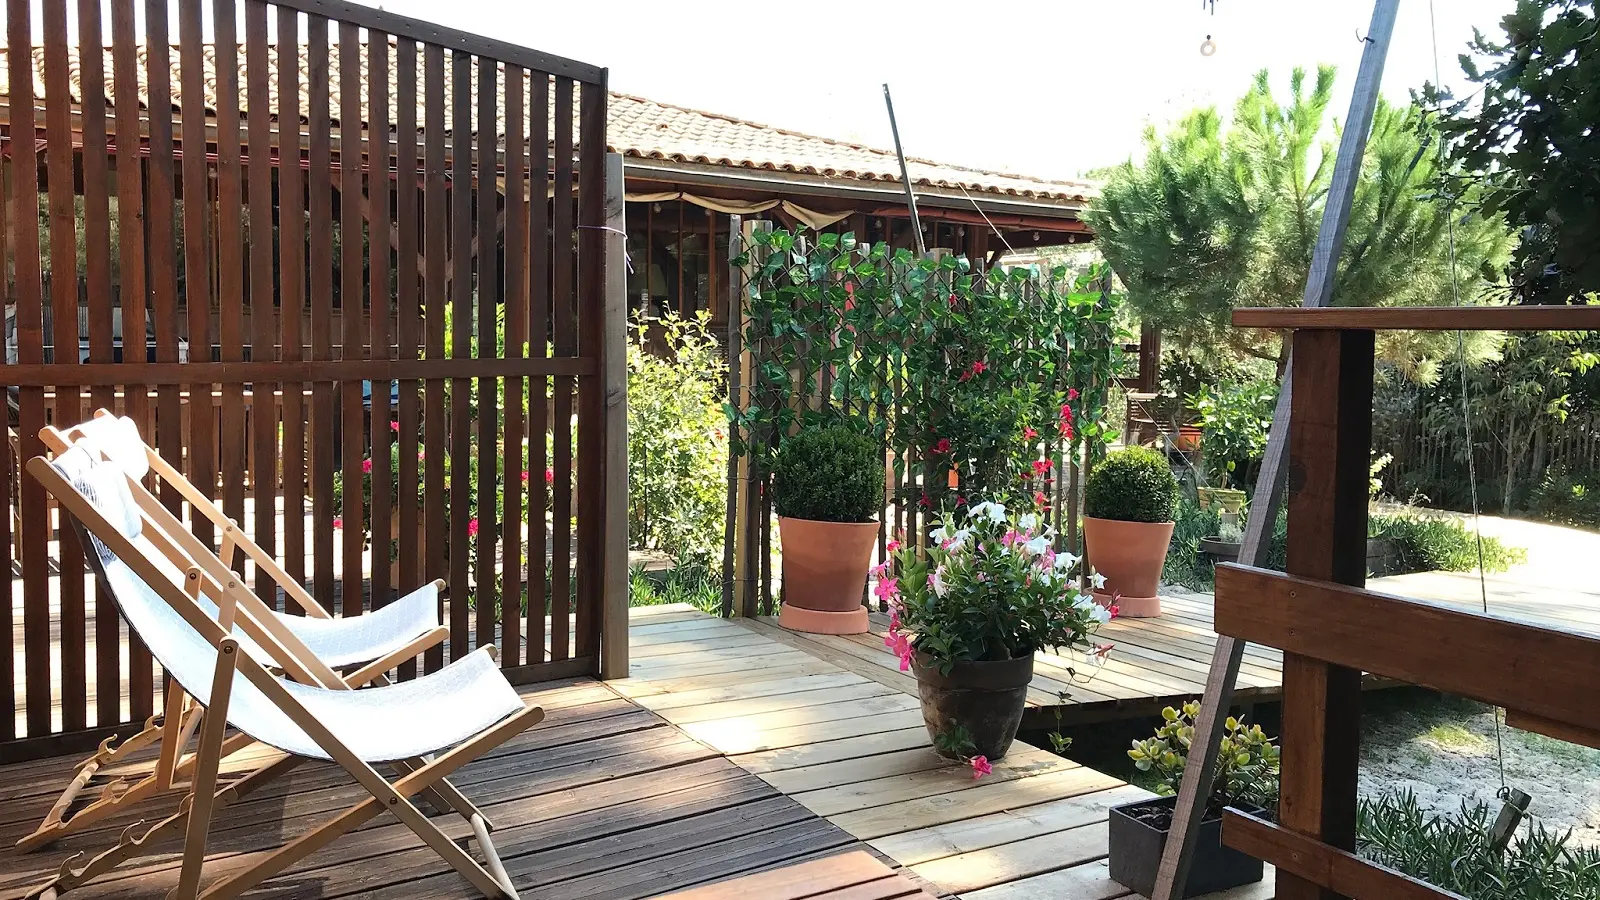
(1136, 845)
(985, 698)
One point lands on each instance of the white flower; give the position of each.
(1098, 580)
(1038, 545)
(939, 587)
(997, 513)
(1100, 614)
(1065, 561)
(994, 512)
(939, 534)
(1028, 522)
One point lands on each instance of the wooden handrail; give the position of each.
(1507, 663)
(1321, 864)
(1423, 318)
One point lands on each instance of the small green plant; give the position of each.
(689, 581)
(1235, 419)
(1247, 763)
(1230, 532)
(1429, 543)
(829, 474)
(1133, 485)
(1452, 852)
(1563, 497)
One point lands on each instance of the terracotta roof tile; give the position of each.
(649, 129)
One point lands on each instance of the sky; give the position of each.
(1050, 88)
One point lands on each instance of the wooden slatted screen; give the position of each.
(346, 270)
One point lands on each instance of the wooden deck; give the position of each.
(732, 765)
(850, 746)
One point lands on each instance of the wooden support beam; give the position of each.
(1343, 872)
(1426, 318)
(1422, 643)
(614, 377)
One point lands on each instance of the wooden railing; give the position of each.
(1332, 630)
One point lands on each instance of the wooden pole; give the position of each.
(614, 376)
(1195, 788)
(905, 177)
(734, 310)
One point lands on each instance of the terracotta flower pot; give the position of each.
(985, 698)
(1130, 556)
(824, 572)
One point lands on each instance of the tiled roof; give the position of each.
(649, 129)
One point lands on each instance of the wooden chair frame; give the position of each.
(203, 797)
(207, 573)
(1321, 616)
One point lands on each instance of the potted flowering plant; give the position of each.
(1128, 504)
(1246, 777)
(828, 486)
(966, 615)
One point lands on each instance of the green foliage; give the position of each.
(992, 588)
(1452, 852)
(1432, 543)
(983, 375)
(1221, 216)
(1235, 419)
(1185, 564)
(677, 451)
(1247, 760)
(1525, 140)
(690, 581)
(1565, 498)
(829, 474)
(1134, 485)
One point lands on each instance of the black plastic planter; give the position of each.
(1136, 847)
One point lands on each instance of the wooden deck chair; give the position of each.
(308, 648)
(469, 707)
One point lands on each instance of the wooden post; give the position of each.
(1229, 653)
(614, 376)
(734, 310)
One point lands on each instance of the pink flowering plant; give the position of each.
(990, 585)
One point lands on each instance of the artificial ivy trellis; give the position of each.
(981, 385)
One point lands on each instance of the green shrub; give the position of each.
(1564, 498)
(1185, 564)
(1430, 543)
(1133, 485)
(1247, 760)
(1452, 852)
(677, 446)
(829, 474)
(689, 581)
(1235, 419)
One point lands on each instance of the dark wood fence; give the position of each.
(385, 234)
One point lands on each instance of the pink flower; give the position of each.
(981, 767)
(1012, 537)
(394, 426)
(472, 527)
(952, 299)
(961, 501)
(1114, 610)
(1072, 393)
(1041, 466)
(979, 367)
(549, 476)
(894, 618)
(1028, 433)
(524, 476)
(923, 502)
(1040, 500)
(892, 546)
(886, 588)
(1066, 429)
(1066, 413)
(338, 521)
(878, 570)
(1101, 650)
(366, 465)
(943, 446)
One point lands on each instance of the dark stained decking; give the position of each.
(604, 799)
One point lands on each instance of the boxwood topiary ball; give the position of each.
(829, 474)
(1131, 485)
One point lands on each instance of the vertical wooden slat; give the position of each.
(97, 256)
(30, 349)
(9, 470)
(460, 347)
(378, 157)
(488, 302)
(435, 236)
(230, 257)
(407, 179)
(516, 312)
(64, 334)
(319, 199)
(538, 345)
(131, 243)
(196, 253)
(1330, 438)
(263, 321)
(350, 283)
(592, 426)
(562, 300)
(612, 548)
(291, 287)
